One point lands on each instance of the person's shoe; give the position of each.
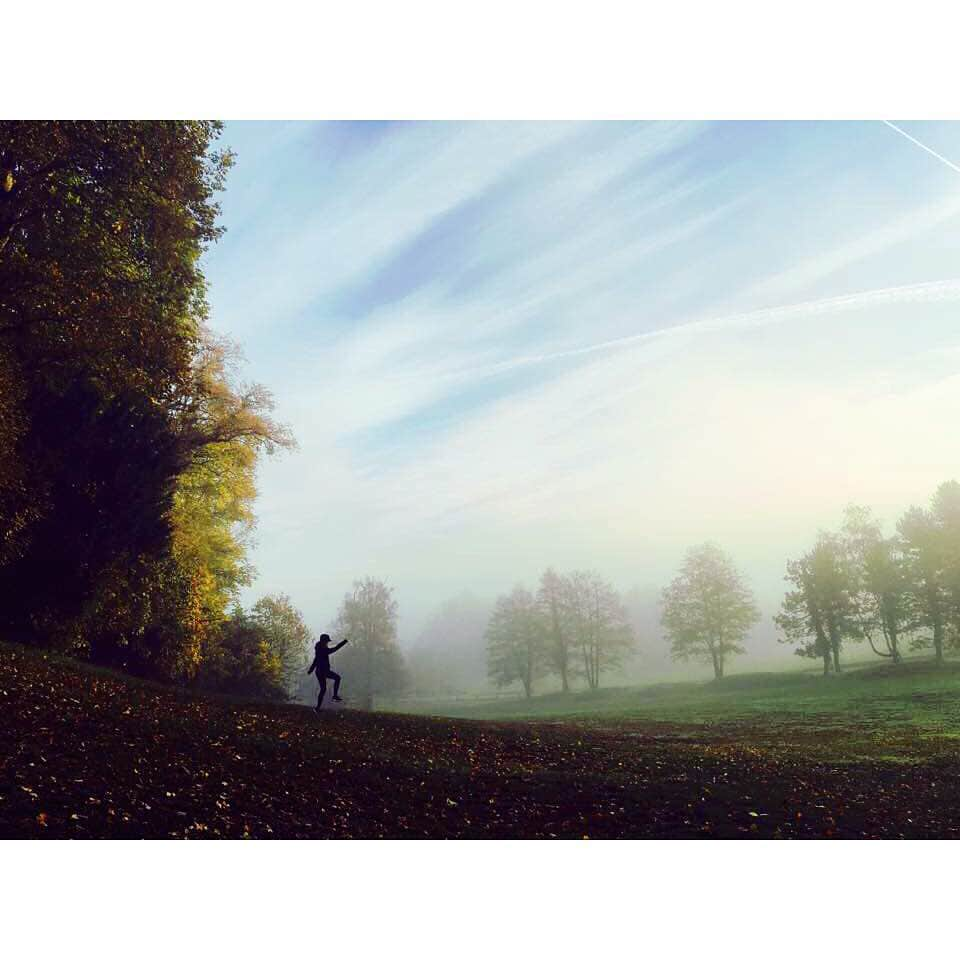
(338, 699)
(318, 709)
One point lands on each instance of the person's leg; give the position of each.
(336, 684)
(323, 690)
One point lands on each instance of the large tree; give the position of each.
(820, 613)
(552, 598)
(368, 617)
(101, 309)
(600, 630)
(927, 552)
(708, 609)
(879, 582)
(801, 618)
(946, 508)
(117, 415)
(516, 637)
(212, 518)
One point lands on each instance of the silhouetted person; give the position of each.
(321, 664)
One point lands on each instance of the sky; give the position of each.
(503, 346)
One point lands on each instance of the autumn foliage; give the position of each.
(127, 440)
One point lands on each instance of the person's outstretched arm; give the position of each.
(338, 646)
(313, 666)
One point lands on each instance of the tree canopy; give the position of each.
(576, 625)
(708, 609)
(127, 442)
(368, 617)
(858, 584)
(516, 637)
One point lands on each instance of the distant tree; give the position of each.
(516, 639)
(368, 617)
(880, 584)
(600, 631)
(821, 612)
(800, 618)
(946, 508)
(708, 609)
(551, 598)
(930, 556)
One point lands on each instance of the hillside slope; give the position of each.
(85, 753)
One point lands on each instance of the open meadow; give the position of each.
(902, 713)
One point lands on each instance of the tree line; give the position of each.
(574, 625)
(128, 442)
(855, 584)
(895, 592)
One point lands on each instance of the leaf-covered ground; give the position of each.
(91, 754)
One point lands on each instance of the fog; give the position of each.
(508, 347)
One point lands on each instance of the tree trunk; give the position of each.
(368, 689)
(938, 639)
(717, 673)
(826, 663)
(591, 679)
(561, 648)
(833, 633)
(894, 648)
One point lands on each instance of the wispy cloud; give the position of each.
(933, 292)
(507, 345)
(869, 241)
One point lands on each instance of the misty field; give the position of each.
(901, 712)
(91, 753)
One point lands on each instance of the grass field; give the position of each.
(875, 753)
(901, 712)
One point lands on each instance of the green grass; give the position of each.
(869, 710)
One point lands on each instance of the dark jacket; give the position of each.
(321, 658)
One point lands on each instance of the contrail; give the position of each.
(933, 291)
(922, 146)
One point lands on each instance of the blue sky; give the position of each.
(507, 345)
